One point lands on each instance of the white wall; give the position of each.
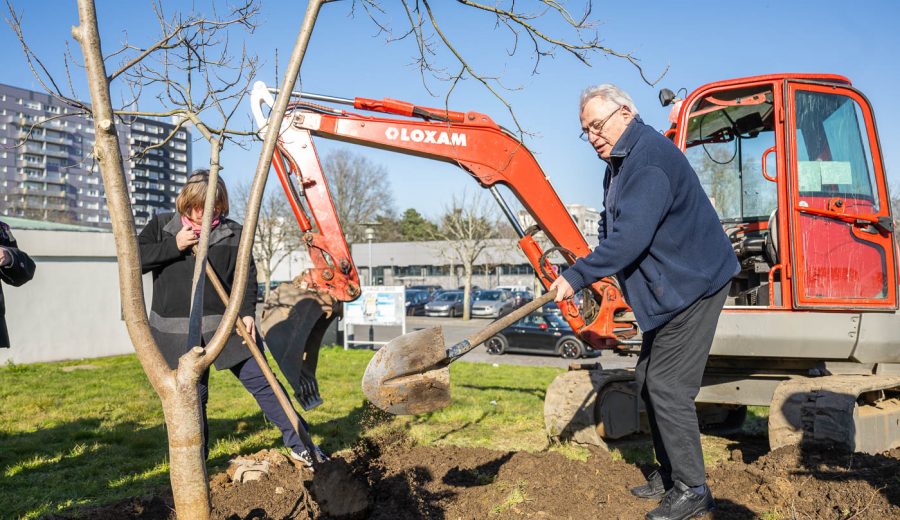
(71, 309)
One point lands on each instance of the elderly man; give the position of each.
(662, 238)
(16, 268)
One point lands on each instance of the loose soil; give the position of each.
(402, 481)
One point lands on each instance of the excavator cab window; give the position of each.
(729, 134)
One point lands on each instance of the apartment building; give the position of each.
(47, 171)
(586, 218)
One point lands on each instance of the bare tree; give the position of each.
(468, 225)
(360, 190)
(277, 234)
(190, 48)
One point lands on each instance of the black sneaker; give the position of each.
(654, 489)
(681, 503)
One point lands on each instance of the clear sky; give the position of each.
(700, 42)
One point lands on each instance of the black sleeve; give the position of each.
(248, 307)
(20, 270)
(157, 250)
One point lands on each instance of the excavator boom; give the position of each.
(470, 140)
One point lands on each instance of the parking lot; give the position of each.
(457, 329)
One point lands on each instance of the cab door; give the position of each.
(841, 231)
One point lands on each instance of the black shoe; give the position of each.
(681, 503)
(654, 489)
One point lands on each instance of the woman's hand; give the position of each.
(185, 239)
(250, 325)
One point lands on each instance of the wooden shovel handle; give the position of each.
(479, 337)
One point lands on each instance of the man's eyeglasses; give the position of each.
(595, 127)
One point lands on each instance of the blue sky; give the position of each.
(700, 42)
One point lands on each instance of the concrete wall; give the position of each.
(71, 309)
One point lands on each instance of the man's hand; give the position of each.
(250, 325)
(5, 257)
(563, 289)
(185, 239)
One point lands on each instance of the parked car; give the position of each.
(540, 333)
(261, 290)
(415, 302)
(446, 304)
(520, 298)
(431, 289)
(492, 304)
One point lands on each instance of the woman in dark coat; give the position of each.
(166, 250)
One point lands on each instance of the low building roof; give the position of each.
(25, 223)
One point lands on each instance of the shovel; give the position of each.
(410, 374)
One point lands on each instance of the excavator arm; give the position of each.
(472, 141)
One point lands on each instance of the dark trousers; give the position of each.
(249, 373)
(669, 371)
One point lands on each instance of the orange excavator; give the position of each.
(791, 162)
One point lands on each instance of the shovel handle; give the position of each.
(479, 337)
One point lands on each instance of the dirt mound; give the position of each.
(809, 482)
(401, 481)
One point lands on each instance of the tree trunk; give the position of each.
(268, 287)
(467, 292)
(187, 463)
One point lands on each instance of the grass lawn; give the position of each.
(95, 435)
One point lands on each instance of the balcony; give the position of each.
(39, 192)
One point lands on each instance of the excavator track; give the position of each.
(590, 406)
(861, 412)
(294, 321)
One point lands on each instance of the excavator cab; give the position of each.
(792, 165)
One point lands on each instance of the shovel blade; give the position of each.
(405, 377)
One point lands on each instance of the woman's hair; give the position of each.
(193, 194)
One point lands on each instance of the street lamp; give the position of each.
(370, 234)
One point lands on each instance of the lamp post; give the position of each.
(370, 234)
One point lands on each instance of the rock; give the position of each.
(242, 470)
(737, 456)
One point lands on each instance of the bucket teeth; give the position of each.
(294, 322)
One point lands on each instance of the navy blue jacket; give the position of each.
(659, 233)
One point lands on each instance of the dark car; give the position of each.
(539, 333)
(520, 298)
(261, 290)
(415, 302)
(448, 303)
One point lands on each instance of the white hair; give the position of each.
(608, 93)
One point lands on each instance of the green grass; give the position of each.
(89, 437)
(515, 496)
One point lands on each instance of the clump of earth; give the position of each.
(391, 479)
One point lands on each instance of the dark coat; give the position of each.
(173, 271)
(16, 273)
(660, 234)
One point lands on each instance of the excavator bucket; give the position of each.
(294, 322)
